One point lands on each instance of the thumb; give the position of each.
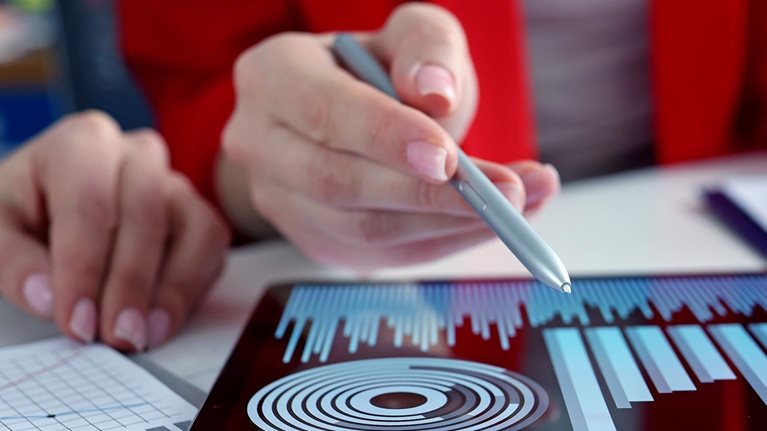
(426, 48)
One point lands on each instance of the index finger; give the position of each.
(301, 86)
(82, 212)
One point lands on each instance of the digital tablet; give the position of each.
(619, 353)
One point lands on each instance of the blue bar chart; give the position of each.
(659, 359)
(420, 313)
(700, 353)
(583, 398)
(604, 358)
(745, 353)
(760, 332)
(567, 352)
(618, 366)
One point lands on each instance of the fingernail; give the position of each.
(432, 79)
(37, 292)
(513, 192)
(131, 327)
(83, 323)
(158, 324)
(537, 183)
(428, 159)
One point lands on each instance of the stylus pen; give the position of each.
(510, 226)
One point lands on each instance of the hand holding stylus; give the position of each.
(471, 183)
(352, 177)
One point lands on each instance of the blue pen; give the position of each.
(510, 226)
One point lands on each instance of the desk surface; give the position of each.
(648, 221)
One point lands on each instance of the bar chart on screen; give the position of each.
(613, 343)
(57, 385)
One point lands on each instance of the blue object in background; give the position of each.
(23, 113)
(90, 73)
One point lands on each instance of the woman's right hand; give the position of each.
(355, 178)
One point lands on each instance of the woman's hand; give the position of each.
(98, 233)
(351, 176)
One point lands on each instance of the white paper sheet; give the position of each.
(58, 384)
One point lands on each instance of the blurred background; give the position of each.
(57, 57)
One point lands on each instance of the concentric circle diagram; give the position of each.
(395, 394)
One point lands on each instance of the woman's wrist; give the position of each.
(234, 197)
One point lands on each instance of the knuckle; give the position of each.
(209, 227)
(131, 275)
(315, 115)
(245, 134)
(148, 137)
(257, 150)
(282, 42)
(368, 228)
(327, 186)
(145, 208)
(331, 183)
(428, 196)
(215, 232)
(315, 109)
(230, 138)
(180, 183)
(93, 123)
(94, 206)
(245, 68)
(387, 118)
(151, 142)
(248, 67)
(85, 267)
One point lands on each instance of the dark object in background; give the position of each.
(737, 219)
(24, 111)
(92, 73)
(83, 69)
(26, 70)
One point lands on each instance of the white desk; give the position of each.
(649, 221)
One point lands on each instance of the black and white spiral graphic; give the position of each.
(394, 394)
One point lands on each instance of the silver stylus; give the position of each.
(510, 226)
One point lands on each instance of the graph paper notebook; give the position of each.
(59, 385)
(629, 353)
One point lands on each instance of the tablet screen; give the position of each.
(620, 353)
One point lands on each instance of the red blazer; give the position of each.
(708, 70)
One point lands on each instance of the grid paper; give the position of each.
(60, 385)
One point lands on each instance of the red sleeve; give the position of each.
(182, 53)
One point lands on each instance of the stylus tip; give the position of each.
(567, 288)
